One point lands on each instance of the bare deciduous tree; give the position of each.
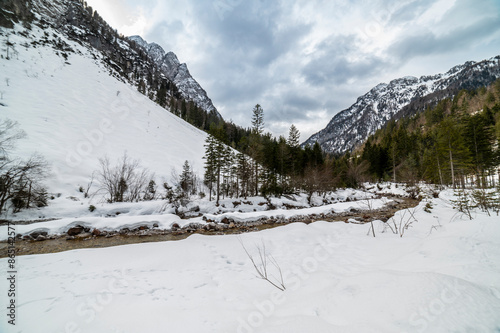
(9, 134)
(356, 172)
(317, 179)
(19, 180)
(124, 181)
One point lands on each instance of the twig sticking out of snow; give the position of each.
(402, 222)
(262, 267)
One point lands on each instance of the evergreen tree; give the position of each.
(255, 144)
(282, 160)
(244, 172)
(172, 106)
(317, 155)
(479, 139)
(451, 140)
(293, 137)
(186, 181)
(227, 164)
(215, 160)
(258, 120)
(183, 110)
(150, 193)
(169, 192)
(161, 95)
(210, 164)
(141, 86)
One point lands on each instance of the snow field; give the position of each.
(338, 279)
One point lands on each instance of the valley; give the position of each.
(130, 201)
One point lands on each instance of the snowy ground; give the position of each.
(442, 276)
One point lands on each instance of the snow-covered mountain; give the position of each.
(178, 73)
(60, 91)
(139, 63)
(406, 95)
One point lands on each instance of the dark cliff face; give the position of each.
(15, 11)
(401, 97)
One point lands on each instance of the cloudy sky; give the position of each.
(306, 60)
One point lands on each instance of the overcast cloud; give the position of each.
(304, 60)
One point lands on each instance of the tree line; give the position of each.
(454, 143)
(260, 164)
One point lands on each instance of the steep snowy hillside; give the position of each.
(352, 126)
(129, 61)
(73, 112)
(178, 73)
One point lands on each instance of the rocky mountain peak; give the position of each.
(171, 67)
(138, 40)
(401, 97)
(170, 56)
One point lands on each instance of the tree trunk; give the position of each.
(256, 179)
(218, 186)
(439, 170)
(28, 201)
(451, 166)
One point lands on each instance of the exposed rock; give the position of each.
(83, 235)
(41, 238)
(75, 230)
(124, 231)
(34, 234)
(226, 220)
(192, 227)
(209, 226)
(96, 232)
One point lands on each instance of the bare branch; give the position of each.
(262, 268)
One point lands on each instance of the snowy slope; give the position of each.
(351, 127)
(442, 276)
(74, 113)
